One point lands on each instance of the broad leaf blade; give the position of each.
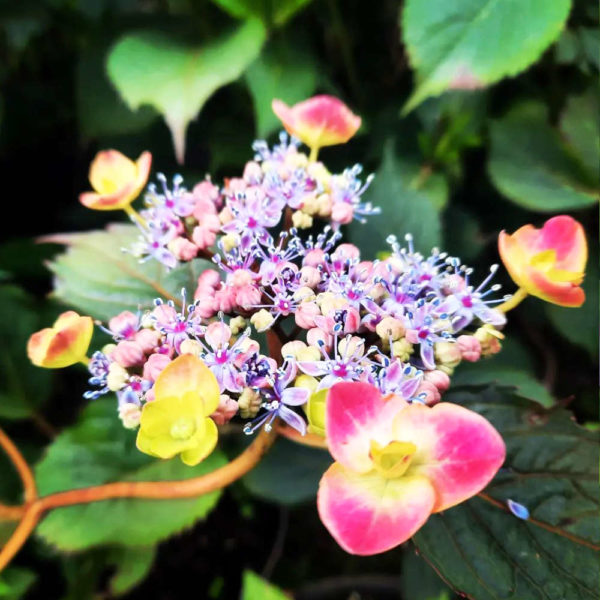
(531, 166)
(96, 277)
(99, 450)
(468, 44)
(177, 78)
(486, 552)
(409, 203)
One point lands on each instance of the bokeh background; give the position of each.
(477, 117)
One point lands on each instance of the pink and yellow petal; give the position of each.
(185, 374)
(458, 450)
(118, 200)
(319, 121)
(356, 415)
(204, 444)
(567, 238)
(62, 345)
(552, 287)
(368, 514)
(110, 171)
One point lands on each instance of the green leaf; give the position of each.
(256, 588)
(531, 165)
(268, 77)
(409, 198)
(99, 450)
(575, 323)
(419, 581)
(289, 473)
(100, 110)
(14, 583)
(525, 384)
(177, 78)
(580, 123)
(133, 565)
(271, 12)
(487, 553)
(23, 387)
(468, 44)
(96, 277)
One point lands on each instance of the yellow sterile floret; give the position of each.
(178, 420)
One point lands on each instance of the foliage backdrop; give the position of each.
(478, 115)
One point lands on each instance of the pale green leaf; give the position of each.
(530, 164)
(99, 450)
(468, 44)
(410, 199)
(484, 551)
(256, 588)
(96, 277)
(176, 77)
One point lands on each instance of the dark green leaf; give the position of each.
(487, 553)
(409, 198)
(23, 387)
(99, 450)
(177, 78)
(14, 583)
(100, 109)
(468, 44)
(268, 77)
(580, 325)
(531, 165)
(289, 473)
(271, 12)
(133, 565)
(96, 277)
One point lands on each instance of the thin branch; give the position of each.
(21, 466)
(309, 439)
(188, 488)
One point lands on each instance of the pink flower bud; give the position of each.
(252, 172)
(225, 216)
(226, 410)
(154, 365)
(344, 251)
(124, 324)
(352, 321)
(470, 348)
(429, 393)
(206, 190)
(248, 297)
(218, 335)
(341, 212)
(207, 305)
(315, 334)
(235, 185)
(128, 354)
(306, 313)
(453, 284)
(209, 279)
(225, 298)
(310, 276)
(239, 278)
(203, 208)
(183, 249)
(148, 339)
(164, 313)
(314, 258)
(438, 378)
(203, 237)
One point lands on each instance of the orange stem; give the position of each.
(309, 439)
(197, 486)
(29, 487)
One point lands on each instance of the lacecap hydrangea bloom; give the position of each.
(373, 343)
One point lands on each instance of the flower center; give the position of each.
(183, 428)
(392, 460)
(340, 370)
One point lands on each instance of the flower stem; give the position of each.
(516, 299)
(314, 152)
(21, 466)
(135, 216)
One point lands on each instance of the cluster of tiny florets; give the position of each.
(402, 323)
